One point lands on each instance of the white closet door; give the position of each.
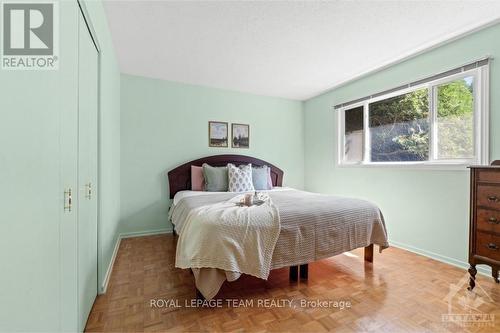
(30, 201)
(87, 173)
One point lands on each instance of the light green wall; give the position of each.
(165, 124)
(109, 136)
(425, 210)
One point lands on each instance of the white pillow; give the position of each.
(240, 178)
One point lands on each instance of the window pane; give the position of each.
(455, 119)
(399, 128)
(353, 151)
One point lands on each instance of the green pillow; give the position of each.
(215, 178)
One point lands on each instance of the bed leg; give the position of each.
(369, 253)
(304, 271)
(199, 295)
(294, 273)
(174, 233)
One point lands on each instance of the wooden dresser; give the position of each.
(484, 231)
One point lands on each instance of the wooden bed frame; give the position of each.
(179, 179)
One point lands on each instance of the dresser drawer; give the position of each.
(488, 196)
(488, 220)
(488, 245)
(489, 176)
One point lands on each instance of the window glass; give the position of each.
(399, 128)
(353, 139)
(455, 119)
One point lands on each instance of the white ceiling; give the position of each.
(287, 49)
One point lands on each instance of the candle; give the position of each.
(248, 199)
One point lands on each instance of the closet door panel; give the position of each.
(87, 173)
(38, 111)
(29, 201)
(68, 96)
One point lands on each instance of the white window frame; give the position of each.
(481, 125)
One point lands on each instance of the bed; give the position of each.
(312, 226)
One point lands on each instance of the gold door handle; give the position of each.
(68, 200)
(88, 190)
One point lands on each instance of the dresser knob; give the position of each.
(493, 198)
(492, 246)
(493, 220)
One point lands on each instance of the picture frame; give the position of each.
(240, 136)
(218, 134)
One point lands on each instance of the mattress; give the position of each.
(313, 226)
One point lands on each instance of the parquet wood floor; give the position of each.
(400, 292)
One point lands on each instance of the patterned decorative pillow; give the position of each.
(240, 178)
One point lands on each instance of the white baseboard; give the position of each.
(121, 236)
(146, 233)
(447, 260)
(104, 286)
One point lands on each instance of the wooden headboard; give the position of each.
(179, 179)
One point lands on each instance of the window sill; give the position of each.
(410, 166)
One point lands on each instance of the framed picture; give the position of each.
(217, 134)
(240, 136)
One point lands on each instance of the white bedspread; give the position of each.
(230, 238)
